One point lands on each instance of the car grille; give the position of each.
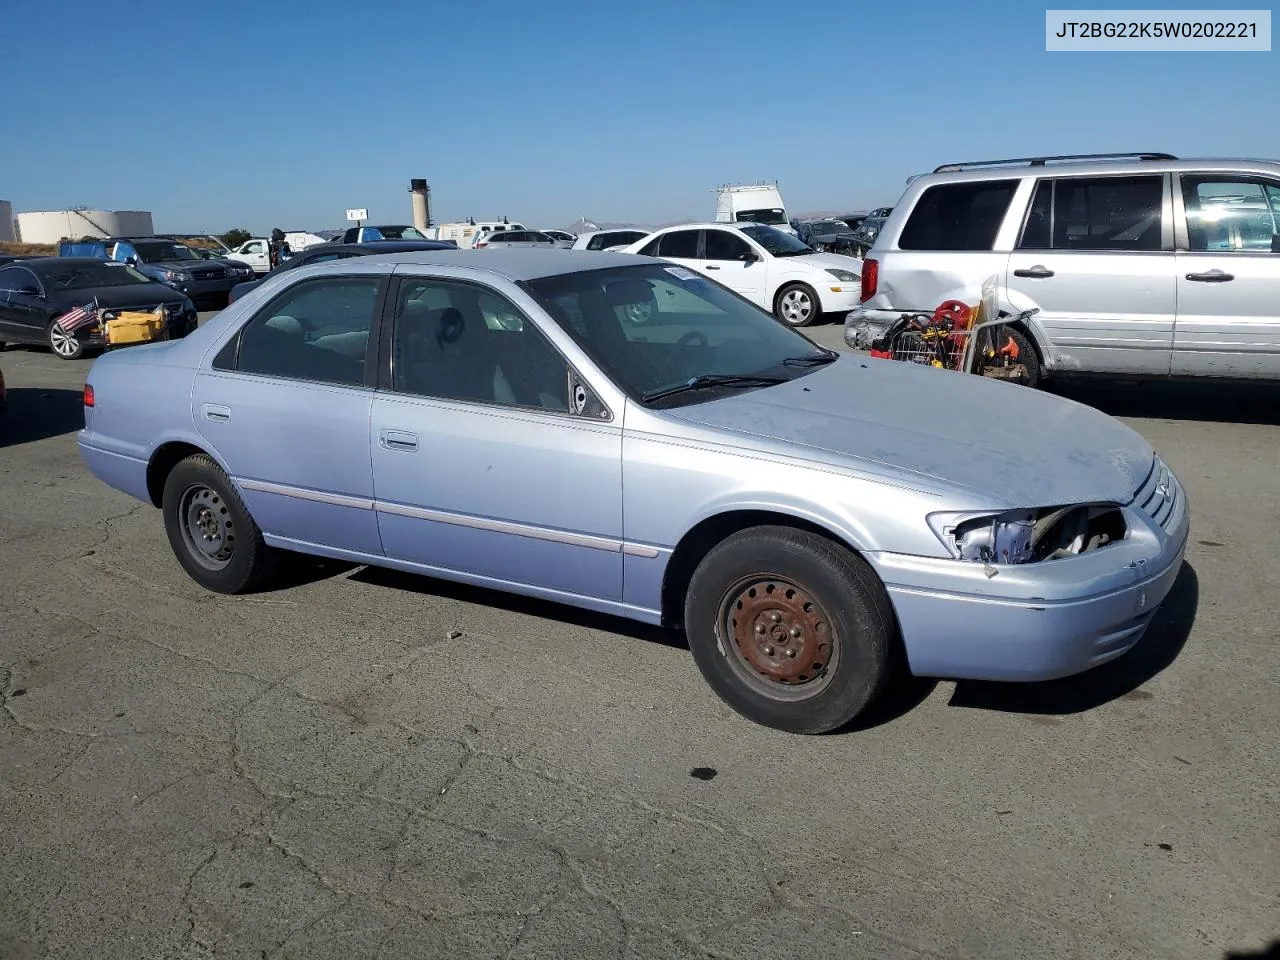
(1159, 494)
(209, 273)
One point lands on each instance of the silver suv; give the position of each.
(1138, 264)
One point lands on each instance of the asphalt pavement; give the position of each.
(364, 764)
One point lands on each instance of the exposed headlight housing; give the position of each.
(844, 276)
(1029, 535)
(174, 276)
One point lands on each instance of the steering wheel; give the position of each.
(691, 336)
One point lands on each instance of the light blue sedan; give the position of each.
(619, 433)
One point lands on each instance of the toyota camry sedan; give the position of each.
(813, 522)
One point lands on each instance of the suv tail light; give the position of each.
(88, 395)
(870, 278)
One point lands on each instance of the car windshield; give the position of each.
(776, 242)
(654, 327)
(153, 251)
(398, 233)
(771, 215)
(83, 276)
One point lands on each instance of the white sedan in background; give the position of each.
(770, 268)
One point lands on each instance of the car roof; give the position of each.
(1099, 168)
(513, 264)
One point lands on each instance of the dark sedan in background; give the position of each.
(337, 251)
(827, 235)
(34, 293)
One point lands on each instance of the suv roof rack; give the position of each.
(1041, 161)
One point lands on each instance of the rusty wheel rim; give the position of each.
(777, 637)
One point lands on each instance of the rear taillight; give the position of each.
(870, 277)
(88, 395)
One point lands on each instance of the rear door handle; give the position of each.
(398, 440)
(1213, 276)
(1034, 273)
(216, 412)
(712, 266)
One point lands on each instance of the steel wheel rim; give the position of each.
(208, 531)
(64, 344)
(777, 638)
(796, 306)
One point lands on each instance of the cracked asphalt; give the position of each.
(363, 764)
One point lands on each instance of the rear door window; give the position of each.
(682, 244)
(958, 216)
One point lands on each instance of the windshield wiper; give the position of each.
(716, 380)
(827, 356)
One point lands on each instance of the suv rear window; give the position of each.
(958, 216)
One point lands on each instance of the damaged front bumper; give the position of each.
(1042, 620)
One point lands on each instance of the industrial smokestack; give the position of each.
(421, 204)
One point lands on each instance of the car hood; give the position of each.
(1009, 446)
(825, 261)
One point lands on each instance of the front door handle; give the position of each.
(1213, 276)
(1034, 273)
(216, 412)
(398, 440)
(712, 266)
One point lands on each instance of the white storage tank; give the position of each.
(6, 222)
(50, 226)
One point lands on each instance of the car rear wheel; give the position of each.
(796, 304)
(791, 630)
(210, 530)
(63, 344)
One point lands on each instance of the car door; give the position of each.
(24, 310)
(285, 406)
(729, 259)
(1095, 256)
(492, 459)
(1228, 276)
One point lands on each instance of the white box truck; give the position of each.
(753, 203)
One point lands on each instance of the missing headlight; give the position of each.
(1028, 536)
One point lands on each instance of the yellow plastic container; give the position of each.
(133, 326)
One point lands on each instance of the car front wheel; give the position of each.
(63, 344)
(791, 630)
(210, 530)
(797, 305)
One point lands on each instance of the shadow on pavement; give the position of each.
(543, 609)
(1271, 952)
(1255, 403)
(1118, 679)
(37, 413)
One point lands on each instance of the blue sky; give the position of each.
(263, 114)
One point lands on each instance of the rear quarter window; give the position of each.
(958, 216)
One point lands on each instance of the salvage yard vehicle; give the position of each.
(178, 266)
(815, 523)
(1137, 265)
(34, 293)
(826, 235)
(523, 239)
(770, 268)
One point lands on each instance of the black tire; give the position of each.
(196, 487)
(793, 293)
(64, 346)
(1028, 357)
(831, 585)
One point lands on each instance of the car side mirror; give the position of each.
(750, 257)
(131, 261)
